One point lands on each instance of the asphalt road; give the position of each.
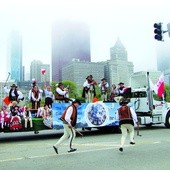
(96, 151)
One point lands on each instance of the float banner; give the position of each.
(96, 114)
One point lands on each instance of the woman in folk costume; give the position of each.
(49, 96)
(15, 124)
(47, 115)
(35, 97)
(89, 91)
(27, 117)
(7, 116)
(1, 118)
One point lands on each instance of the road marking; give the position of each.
(51, 155)
(157, 142)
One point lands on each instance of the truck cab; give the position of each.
(149, 107)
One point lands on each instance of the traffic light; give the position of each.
(158, 31)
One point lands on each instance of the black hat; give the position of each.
(103, 79)
(60, 84)
(123, 101)
(91, 76)
(14, 85)
(76, 101)
(121, 83)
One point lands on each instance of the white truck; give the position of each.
(149, 108)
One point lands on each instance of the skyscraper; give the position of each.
(70, 40)
(120, 69)
(15, 56)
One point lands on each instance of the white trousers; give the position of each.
(125, 128)
(69, 133)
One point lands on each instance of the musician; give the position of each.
(89, 91)
(121, 89)
(104, 88)
(114, 93)
(61, 93)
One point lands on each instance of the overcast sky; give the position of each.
(132, 21)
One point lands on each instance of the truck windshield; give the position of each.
(138, 94)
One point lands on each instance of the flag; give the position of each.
(160, 86)
(6, 100)
(43, 71)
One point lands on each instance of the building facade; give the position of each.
(77, 71)
(15, 57)
(119, 68)
(70, 40)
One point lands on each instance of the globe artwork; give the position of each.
(96, 114)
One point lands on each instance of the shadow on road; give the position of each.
(50, 134)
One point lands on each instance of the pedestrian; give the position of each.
(127, 116)
(69, 118)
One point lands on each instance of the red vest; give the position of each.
(124, 113)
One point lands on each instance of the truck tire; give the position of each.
(167, 120)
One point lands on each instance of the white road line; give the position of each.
(50, 155)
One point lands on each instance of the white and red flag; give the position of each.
(160, 86)
(43, 71)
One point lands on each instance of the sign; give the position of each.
(96, 114)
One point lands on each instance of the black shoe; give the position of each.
(56, 150)
(121, 149)
(72, 150)
(36, 132)
(132, 143)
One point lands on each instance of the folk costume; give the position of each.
(47, 115)
(35, 98)
(69, 118)
(127, 116)
(89, 91)
(49, 96)
(13, 93)
(15, 123)
(61, 93)
(27, 117)
(104, 88)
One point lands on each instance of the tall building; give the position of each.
(119, 68)
(163, 55)
(46, 76)
(15, 56)
(77, 71)
(36, 71)
(163, 64)
(70, 40)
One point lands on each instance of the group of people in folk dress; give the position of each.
(108, 93)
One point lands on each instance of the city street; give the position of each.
(95, 151)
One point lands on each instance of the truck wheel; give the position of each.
(167, 120)
(148, 125)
